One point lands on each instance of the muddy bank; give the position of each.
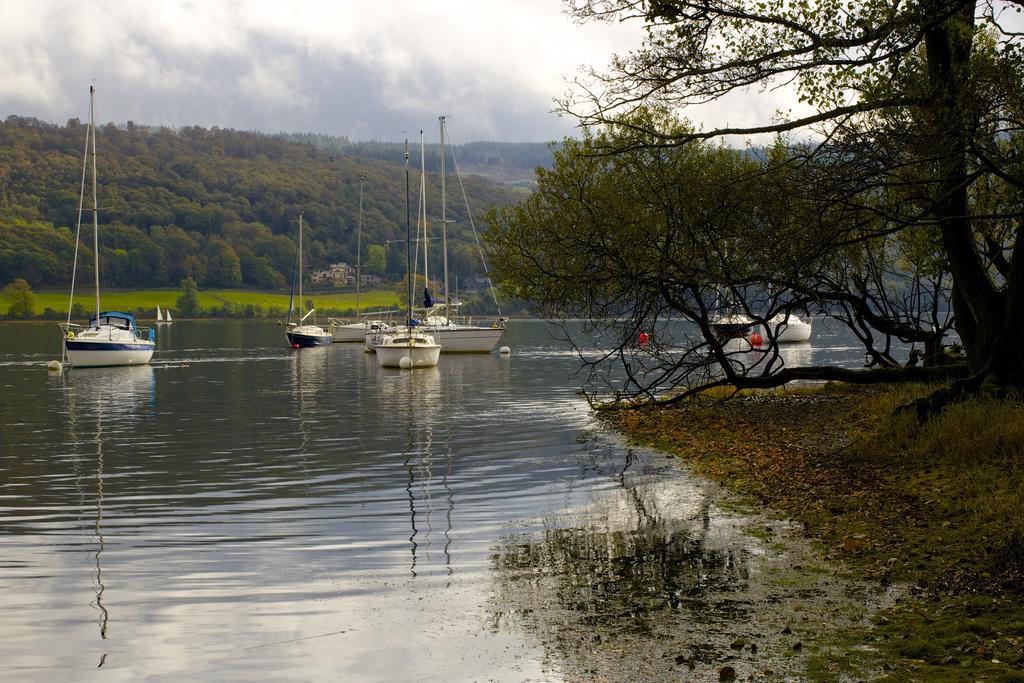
(666, 576)
(935, 507)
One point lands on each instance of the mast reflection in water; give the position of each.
(240, 511)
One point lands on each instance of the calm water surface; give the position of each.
(240, 511)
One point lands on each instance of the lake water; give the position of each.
(240, 511)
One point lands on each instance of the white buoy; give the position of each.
(405, 363)
(54, 366)
(504, 350)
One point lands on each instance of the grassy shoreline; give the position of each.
(937, 506)
(213, 302)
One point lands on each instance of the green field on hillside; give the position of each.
(148, 299)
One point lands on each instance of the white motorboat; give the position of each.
(787, 330)
(302, 334)
(407, 348)
(111, 337)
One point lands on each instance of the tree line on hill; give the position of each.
(219, 206)
(520, 156)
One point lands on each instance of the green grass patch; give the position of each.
(212, 300)
(372, 299)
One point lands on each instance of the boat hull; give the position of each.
(421, 355)
(464, 338)
(730, 330)
(305, 341)
(98, 354)
(354, 332)
(792, 331)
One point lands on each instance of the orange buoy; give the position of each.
(756, 339)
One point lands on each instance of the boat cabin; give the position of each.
(124, 321)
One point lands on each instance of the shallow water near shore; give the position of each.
(237, 510)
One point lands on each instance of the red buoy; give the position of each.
(644, 339)
(756, 339)
(295, 346)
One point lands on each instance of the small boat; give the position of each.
(160, 319)
(111, 338)
(455, 335)
(356, 332)
(407, 348)
(461, 336)
(302, 334)
(376, 331)
(731, 325)
(788, 330)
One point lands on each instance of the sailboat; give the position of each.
(111, 337)
(454, 337)
(342, 330)
(302, 334)
(408, 348)
(160, 318)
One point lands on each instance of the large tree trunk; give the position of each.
(988, 320)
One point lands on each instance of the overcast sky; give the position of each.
(367, 69)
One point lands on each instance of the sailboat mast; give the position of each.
(444, 228)
(359, 245)
(95, 206)
(408, 240)
(302, 306)
(423, 209)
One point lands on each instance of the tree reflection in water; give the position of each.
(654, 580)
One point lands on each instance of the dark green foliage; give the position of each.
(520, 156)
(188, 302)
(19, 293)
(218, 206)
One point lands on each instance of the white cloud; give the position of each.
(366, 69)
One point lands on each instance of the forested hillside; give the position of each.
(509, 159)
(220, 206)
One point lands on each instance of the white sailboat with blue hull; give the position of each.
(111, 337)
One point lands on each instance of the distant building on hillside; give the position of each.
(339, 274)
(371, 280)
(342, 275)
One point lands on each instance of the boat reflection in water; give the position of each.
(102, 404)
(427, 458)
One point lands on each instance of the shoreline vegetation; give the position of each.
(936, 507)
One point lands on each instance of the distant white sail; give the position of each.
(159, 315)
(169, 315)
